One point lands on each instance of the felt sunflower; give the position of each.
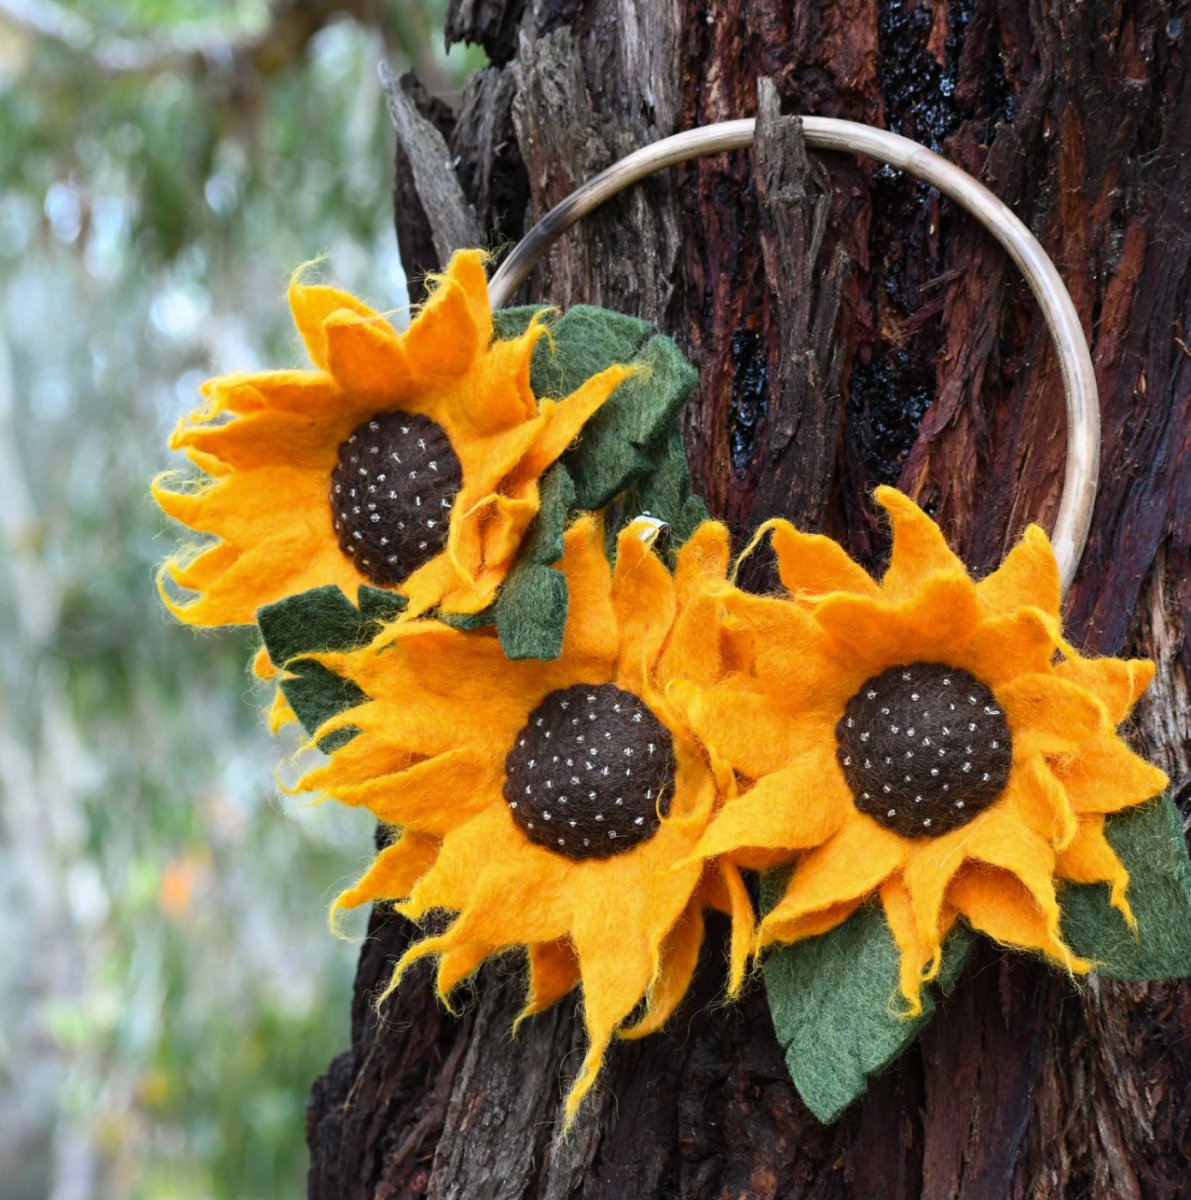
(553, 805)
(404, 461)
(927, 741)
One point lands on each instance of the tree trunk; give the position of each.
(849, 328)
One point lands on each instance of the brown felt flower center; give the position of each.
(391, 495)
(590, 771)
(924, 748)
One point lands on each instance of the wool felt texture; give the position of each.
(833, 1003)
(635, 454)
(634, 443)
(321, 619)
(899, 740)
(391, 494)
(665, 493)
(266, 445)
(833, 996)
(531, 610)
(627, 443)
(1148, 840)
(445, 710)
(805, 656)
(589, 774)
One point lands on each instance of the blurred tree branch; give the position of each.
(291, 25)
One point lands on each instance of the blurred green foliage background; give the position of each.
(168, 988)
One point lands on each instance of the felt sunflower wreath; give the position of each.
(582, 736)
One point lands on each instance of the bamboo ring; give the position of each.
(826, 133)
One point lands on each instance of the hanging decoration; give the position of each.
(487, 593)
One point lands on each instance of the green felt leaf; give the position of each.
(531, 609)
(630, 452)
(836, 1006)
(468, 621)
(531, 612)
(1149, 840)
(513, 322)
(319, 620)
(584, 341)
(324, 619)
(316, 694)
(665, 493)
(624, 440)
(543, 543)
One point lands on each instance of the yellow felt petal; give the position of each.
(1116, 682)
(356, 761)
(1091, 859)
(524, 895)
(290, 563)
(489, 459)
(618, 936)
(811, 565)
(262, 665)
(591, 633)
(810, 925)
(456, 964)
(428, 946)
(995, 837)
(198, 573)
(431, 680)
(466, 269)
(1038, 800)
(369, 362)
(553, 971)
(915, 954)
(1029, 576)
(927, 627)
(679, 957)
(564, 419)
(623, 909)
(393, 873)
(1002, 647)
(643, 599)
(796, 808)
(725, 889)
(997, 903)
(311, 305)
(1049, 714)
(919, 548)
(931, 864)
(504, 526)
(265, 439)
(1014, 847)
(280, 713)
(241, 392)
(438, 583)
(431, 797)
(694, 648)
(300, 395)
(251, 506)
(444, 338)
(788, 651)
(854, 863)
(1105, 776)
(703, 557)
(497, 396)
(746, 728)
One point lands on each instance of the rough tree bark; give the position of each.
(849, 328)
